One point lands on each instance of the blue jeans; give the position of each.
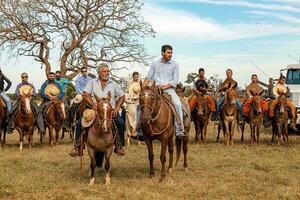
(177, 103)
(7, 101)
(221, 102)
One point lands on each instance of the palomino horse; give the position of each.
(100, 138)
(280, 121)
(201, 118)
(3, 123)
(25, 120)
(229, 116)
(55, 117)
(157, 122)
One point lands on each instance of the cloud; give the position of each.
(187, 25)
(283, 17)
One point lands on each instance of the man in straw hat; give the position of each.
(101, 86)
(132, 108)
(25, 88)
(277, 90)
(255, 88)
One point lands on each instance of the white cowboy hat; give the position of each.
(78, 98)
(88, 118)
(279, 89)
(25, 90)
(52, 90)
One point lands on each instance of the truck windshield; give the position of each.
(293, 76)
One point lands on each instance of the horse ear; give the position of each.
(141, 85)
(153, 85)
(183, 89)
(261, 92)
(252, 93)
(98, 99)
(109, 96)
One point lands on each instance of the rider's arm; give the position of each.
(119, 103)
(43, 91)
(87, 98)
(17, 92)
(8, 83)
(87, 92)
(150, 75)
(175, 78)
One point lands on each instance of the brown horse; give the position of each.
(55, 117)
(157, 122)
(3, 123)
(100, 138)
(201, 118)
(25, 120)
(229, 115)
(280, 121)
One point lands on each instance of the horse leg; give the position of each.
(257, 133)
(150, 157)
(57, 129)
(218, 136)
(20, 131)
(251, 132)
(197, 136)
(163, 158)
(107, 166)
(278, 134)
(63, 133)
(170, 149)
(233, 124)
(51, 136)
(205, 132)
(273, 131)
(286, 133)
(92, 164)
(242, 129)
(185, 149)
(226, 129)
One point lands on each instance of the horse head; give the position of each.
(60, 109)
(231, 96)
(147, 101)
(282, 102)
(25, 107)
(104, 112)
(201, 103)
(257, 101)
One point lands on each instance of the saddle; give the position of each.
(2, 102)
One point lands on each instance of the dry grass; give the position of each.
(215, 172)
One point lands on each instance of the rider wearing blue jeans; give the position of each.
(5, 98)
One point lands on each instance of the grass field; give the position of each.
(215, 172)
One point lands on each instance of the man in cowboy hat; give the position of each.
(278, 89)
(200, 88)
(25, 88)
(132, 108)
(255, 88)
(101, 86)
(5, 98)
(227, 85)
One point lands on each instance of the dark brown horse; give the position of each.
(55, 117)
(100, 139)
(201, 118)
(229, 116)
(157, 122)
(280, 121)
(3, 123)
(25, 120)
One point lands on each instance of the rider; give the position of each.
(253, 86)
(5, 98)
(101, 86)
(227, 85)
(282, 88)
(201, 88)
(165, 72)
(82, 80)
(12, 115)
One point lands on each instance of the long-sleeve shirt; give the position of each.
(227, 84)
(17, 92)
(164, 73)
(3, 79)
(45, 96)
(62, 82)
(80, 83)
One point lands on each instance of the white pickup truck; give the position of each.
(293, 83)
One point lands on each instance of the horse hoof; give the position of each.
(170, 170)
(161, 179)
(92, 182)
(151, 175)
(186, 170)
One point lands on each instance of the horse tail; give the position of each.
(179, 143)
(99, 157)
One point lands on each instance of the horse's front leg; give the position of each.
(107, 166)
(205, 132)
(197, 128)
(185, 150)
(233, 124)
(257, 133)
(163, 158)
(92, 164)
(243, 130)
(150, 157)
(218, 135)
(278, 133)
(170, 149)
(251, 132)
(286, 133)
(20, 131)
(57, 129)
(226, 127)
(51, 135)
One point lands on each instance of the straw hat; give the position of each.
(25, 90)
(254, 87)
(52, 90)
(78, 98)
(88, 118)
(134, 89)
(278, 89)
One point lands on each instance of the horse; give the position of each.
(157, 122)
(54, 118)
(100, 138)
(3, 123)
(229, 115)
(25, 120)
(280, 121)
(255, 117)
(201, 118)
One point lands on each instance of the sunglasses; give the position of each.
(57, 76)
(24, 76)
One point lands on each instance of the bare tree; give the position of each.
(77, 32)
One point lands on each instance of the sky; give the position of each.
(213, 34)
